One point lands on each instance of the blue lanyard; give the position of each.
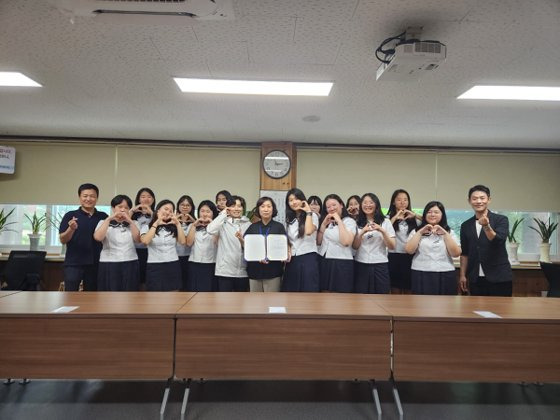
(266, 232)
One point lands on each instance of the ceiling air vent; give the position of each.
(197, 9)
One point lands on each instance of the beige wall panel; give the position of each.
(51, 173)
(198, 172)
(348, 172)
(517, 181)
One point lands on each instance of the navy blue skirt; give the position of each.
(142, 261)
(399, 270)
(163, 277)
(302, 274)
(185, 283)
(337, 275)
(121, 276)
(434, 283)
(233, 284)
(202, 278)
(371, 278)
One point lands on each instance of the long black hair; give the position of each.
(170, 228)
(411, 223)
(300, 215)
(337, 198)
(137, 214)
(377, 213)
(442, 222)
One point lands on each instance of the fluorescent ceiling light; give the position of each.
(517, 93)
(12, 78)
(248, 87)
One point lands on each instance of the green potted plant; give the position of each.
(54, 221)
(38, 223)
(4, 223)
(513, 245)
(545, 231)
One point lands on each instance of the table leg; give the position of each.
(185, 399)
(397, 399)
(164, 400)
(375, 398)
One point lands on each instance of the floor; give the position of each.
(271, 400)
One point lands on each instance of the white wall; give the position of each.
(49, 173)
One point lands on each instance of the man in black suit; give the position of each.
(485, 268)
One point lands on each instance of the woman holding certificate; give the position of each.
(266, 247)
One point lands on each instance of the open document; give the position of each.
(272, 247)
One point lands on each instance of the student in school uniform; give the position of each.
(353, 206)
(222, 198)
(335, 236)
(118, 263)
(185, 214)
(302, 270)
(315, 204)
(229, 226)
(404, 221)
(82, 251)
(265, 276)
(163, 271)
(141, 214)
(434, 245)
(375, 235)
(202, 261)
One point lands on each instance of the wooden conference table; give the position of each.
(440, 338)
(108, 336)
(320, 336)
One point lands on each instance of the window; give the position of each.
(17, 236)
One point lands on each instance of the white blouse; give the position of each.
(183, 250)
(163, 247)
(373, 250)
(331, 246)
(401, 237)
(143, 220)
(308, 243)
(118, 244)
(204, 247)
(432, 254)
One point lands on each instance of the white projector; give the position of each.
(411, 61)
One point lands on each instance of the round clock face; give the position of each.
(276, 164)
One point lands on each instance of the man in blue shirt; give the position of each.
(82, 251)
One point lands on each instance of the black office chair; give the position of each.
(552, 274)
(23, 270)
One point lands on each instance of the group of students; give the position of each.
(331, 246)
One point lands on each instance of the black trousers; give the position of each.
(483, 287)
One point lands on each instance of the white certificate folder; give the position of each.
(272, 247)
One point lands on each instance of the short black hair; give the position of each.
(118, 199)
(225, 193)
(88, 186)
(210, 205)
(234, 198)
(260, 202)
(482, 188)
